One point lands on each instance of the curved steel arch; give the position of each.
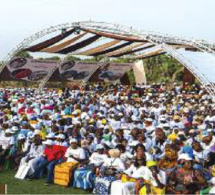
(154, 38)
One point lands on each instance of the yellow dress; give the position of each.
(154, 190)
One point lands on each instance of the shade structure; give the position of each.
(203, 62)
(113, 41)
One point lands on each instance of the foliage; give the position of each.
(158, 69)
(53, 58)
(70, 58)
(163, 69)
(23, 54)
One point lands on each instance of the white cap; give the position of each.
(86, 117)
(108, 143)
(99, 114)
(50, 136)
(30, 134)
(162, 119)
(21, 136)
(61, 136)
(76, 122)
(181, 133)
(149, 119)
(101, 126)
(73, 140)
(159, 127)
(184, 156)
(120, 114)
(134, 118)
(36, 132)
(106, 127)
(8, 131)
(48, 142)
(99, 147)
(75, 112)
(134, 143)
(212, 180)
(166, 125)
(191, 131)
(14, 128)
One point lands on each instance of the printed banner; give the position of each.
(30, 69)
(77, 70)
(139, 72)
(110, 72)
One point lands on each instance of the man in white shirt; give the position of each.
(6, 141)
(31, 158)
(75, 153)
(156, 179)
(98, 157)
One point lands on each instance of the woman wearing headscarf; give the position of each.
(169, 161)
(108, 173)
(140, 151)
(185, 179)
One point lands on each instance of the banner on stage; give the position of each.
(29, 69)
(111, 72)
(77, 70)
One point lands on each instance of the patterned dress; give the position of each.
(84, 178)
(103, 183)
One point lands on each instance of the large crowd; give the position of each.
(142, 139)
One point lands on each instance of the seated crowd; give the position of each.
(117, 140)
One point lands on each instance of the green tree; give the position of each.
(23, 54)
(70, 58)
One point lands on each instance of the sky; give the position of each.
(20, 19)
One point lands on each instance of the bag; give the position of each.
(22, 171)
(62, 173)
(110, 171)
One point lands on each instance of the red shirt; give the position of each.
(30, 111)
(59, 151)
(49, 152)
(21, 110)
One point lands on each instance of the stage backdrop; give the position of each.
(77, 70)
(30, 69)
(35, 70)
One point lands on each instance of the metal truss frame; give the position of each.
(152, 37)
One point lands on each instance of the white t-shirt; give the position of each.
(126, 156)
(135, 172)
(35, 151)
(200, 156)
(117, 163)
(97, 159)
(6, 141)
(77, 153)
(161, 177)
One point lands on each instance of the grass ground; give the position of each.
(16, 186)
